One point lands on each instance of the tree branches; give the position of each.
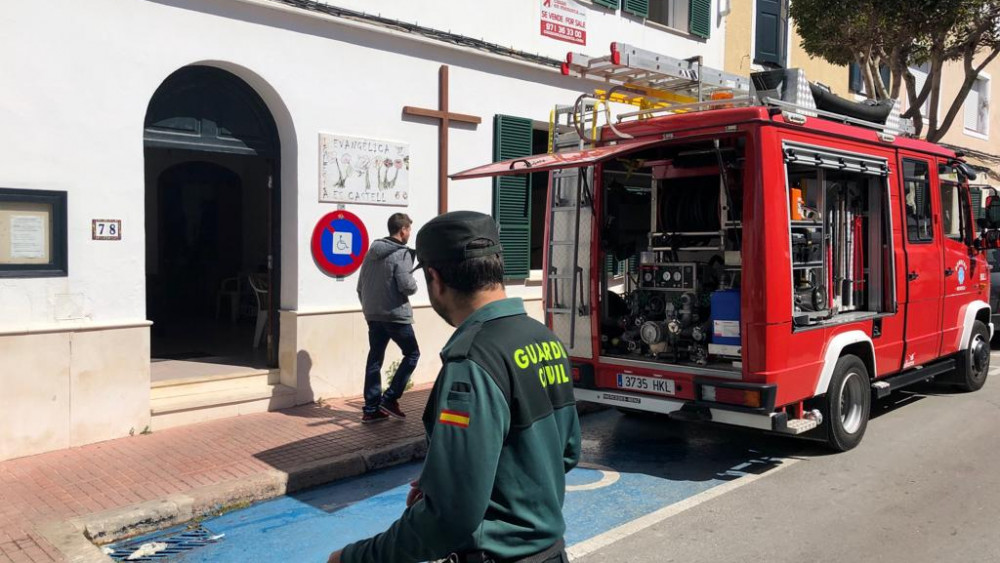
(902, 34)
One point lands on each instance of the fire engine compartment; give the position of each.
(671, 240)
(839, 232)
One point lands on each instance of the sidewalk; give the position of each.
(301, 441)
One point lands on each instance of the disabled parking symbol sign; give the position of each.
(339, 243)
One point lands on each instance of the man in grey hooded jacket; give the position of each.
(384, 287)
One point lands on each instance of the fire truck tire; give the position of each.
(974, 361)
(847, 404)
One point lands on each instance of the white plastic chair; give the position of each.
(258, 282)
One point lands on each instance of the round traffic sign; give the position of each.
(339, 243)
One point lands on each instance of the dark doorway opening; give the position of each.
(212, 233)
(539, 187)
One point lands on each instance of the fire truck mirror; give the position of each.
(966, 170)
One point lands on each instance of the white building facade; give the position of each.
(192, 128)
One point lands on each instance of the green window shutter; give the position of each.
(613, 4)
(976, 195)
(636, 7)
(701, 18)
(512, 195)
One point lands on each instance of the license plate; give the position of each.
(646, 384)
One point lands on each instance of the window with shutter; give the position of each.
(511, 194)
(701, 18)
(976, 194)
(920, 74)
(977, 107)
(972, 109)
(856, 83)
(638, 8)
(769, 43)
(613, 4)
(682, 15)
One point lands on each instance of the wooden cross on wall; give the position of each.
(444, 118)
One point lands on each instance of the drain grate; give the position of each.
(162, 548)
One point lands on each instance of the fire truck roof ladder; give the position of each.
(653, 81)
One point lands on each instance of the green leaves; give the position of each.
(901, 34)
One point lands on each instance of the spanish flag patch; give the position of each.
(454, 418)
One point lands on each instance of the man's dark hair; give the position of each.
(473, 274)
(397, 221)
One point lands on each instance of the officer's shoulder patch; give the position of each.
(459, 350)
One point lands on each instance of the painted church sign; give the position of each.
(363, 170)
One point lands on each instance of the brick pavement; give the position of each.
(80, 481)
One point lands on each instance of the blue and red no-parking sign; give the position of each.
(339, 243)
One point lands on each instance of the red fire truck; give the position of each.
(754, 252)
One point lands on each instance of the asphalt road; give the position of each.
(924, 485)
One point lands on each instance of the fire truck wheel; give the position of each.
(974, 362)
(847, 403)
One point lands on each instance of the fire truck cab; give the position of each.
(754, 252)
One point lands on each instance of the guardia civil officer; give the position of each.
(501, 420)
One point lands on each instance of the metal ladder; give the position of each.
(570, 193)
(571, 128)
(650, 80)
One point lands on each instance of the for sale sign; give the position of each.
(564, 20)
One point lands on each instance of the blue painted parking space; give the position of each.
(633, 467)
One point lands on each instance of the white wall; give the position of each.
(515, 23)
(78, 77)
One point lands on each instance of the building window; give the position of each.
(977, 107)
(32, 233)
(920, 74)
(674, 14)
(771, 32)
(686, 16)
(856, 82)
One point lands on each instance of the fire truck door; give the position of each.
(961, 271)
(925, 283)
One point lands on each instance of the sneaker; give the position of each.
(369, 417)
(391, 408)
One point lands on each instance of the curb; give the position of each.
(78, 538)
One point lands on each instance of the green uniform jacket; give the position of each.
(503, 431)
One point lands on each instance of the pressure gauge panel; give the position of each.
(675, 276)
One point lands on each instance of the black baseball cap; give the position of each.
(446, 238)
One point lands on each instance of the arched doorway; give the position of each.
(212, 212)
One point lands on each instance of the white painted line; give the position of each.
(608, 477)
(627, 529)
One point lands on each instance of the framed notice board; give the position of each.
(32, 233)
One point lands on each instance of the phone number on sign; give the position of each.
(565, 33)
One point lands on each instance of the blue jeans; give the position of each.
(379, 335)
